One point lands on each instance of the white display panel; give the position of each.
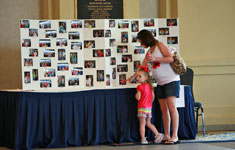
(87, 54)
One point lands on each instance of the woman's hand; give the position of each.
(150, 58)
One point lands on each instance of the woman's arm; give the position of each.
(167, 56)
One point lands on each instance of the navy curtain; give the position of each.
(33, 119)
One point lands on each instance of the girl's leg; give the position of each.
(165, 118)
(151, 126)
(142, 127)
(171, 103)
(158, 136)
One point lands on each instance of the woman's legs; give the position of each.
(165, 118)
(171, 104)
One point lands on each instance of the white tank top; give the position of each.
(163, 74)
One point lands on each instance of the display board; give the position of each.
(90, 54)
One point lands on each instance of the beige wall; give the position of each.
(10, 56)
(206, 41)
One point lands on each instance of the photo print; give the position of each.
(89, 24)
(26, 43)
(49, 73)
(122, 49)
(24, 24)
(148, 22)
(134, 38)
(45, 63)
(27, 77)
(171, 22)
(51, 34)
(100, 75)
(122, 79)
(44, 43)
(35, 74)
(134, 26)
(49, 53)
(114, 72)
(33, 32)
(163, 31)
(73, 58)
(45, 83)
(107, 52)
(62, 66)
(61, 42)
(28, 62)
(107, 33)
(89, 81)
(76, 24)
(98, 33)
(139, 50)
(111, 23)
(89, 44)
(153, 31)
(90, 64)
(33, 52)
(112, 42)
(76, 45)
(62, 27)
(172, 40)
(73, 81)
(44, 24)
(136, 65)
(107, 80)
(77, 71)
(113, 61)
(124, 37)
(122, 68)
(98, 53)
(126, 58)
(74, 35)
(61, 81)
(123, 24)
(61, 54)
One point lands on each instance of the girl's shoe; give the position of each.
(158, 138)
(144, 141)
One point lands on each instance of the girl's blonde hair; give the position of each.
(149, 80)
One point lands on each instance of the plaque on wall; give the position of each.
(99, 9)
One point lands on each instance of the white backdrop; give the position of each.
(78, 54)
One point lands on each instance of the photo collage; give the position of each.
(87, 54)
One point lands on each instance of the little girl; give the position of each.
(145, 97)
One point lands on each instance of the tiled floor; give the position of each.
(188, 146)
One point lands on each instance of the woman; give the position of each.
(168, 82)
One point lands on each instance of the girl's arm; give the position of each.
(138, 95)
(153, 96)
(142, 64)
(167, 56)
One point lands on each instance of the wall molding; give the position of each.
(221, 127)
(213, 69)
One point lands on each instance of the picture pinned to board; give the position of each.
(62, 66)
